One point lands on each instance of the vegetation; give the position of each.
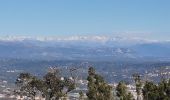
(138, 85)
(122, 92)
(159, 91)
(98, 89)
(52, 86)
(81, 97)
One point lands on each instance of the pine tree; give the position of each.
(138, 84)
(81, 95)
(122, 92)
(152, 91)
(98, 89)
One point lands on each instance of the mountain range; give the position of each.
(83, 47)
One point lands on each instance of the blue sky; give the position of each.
(150, 18)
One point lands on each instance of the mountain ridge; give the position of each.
(83, 48)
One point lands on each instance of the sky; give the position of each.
(142, 18)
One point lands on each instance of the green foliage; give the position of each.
(98, 89)
(81, 97)
(138, 84)
(28, 84)
(161, 91)
(122, 92)
(129, 96)
(150, 91)
(51, 86)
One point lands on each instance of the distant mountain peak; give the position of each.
(92, 38)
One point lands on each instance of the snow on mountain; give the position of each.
(85, 47)
(93, 38)
(53, 38)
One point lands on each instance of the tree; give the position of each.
(28, 85)
(164, 89)
(51, 86)
(122, 92)
(152, 91)
(81, 95)
(55, 87)
(98, 89)
(138, 84)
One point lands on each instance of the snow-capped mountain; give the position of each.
(82, 47)
(98, 38)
